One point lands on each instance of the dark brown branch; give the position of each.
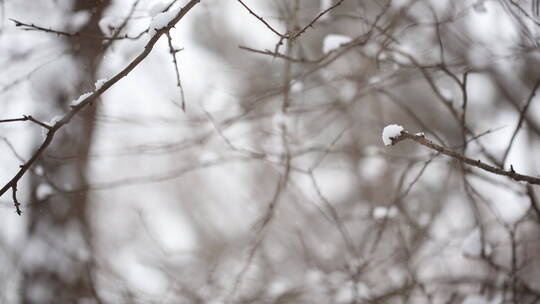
(75, 109)
(421, 139)
(33, 27)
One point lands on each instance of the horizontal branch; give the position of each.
(26, 118)
(421, 139)
(34, 27)
(298, 32)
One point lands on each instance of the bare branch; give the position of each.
(303, 30)
(294, 34)
(262, 20)
(421, 139)
(173, 52)
(27, 118)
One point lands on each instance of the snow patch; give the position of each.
(79, 99)
(100, 82)
(390, 132)
(161, 20)
(54, 120)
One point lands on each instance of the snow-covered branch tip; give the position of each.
(393, 134)
(390, 133)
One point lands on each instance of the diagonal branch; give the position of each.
(34, 27)
(173, 52)
(26, 118)
(300, 31)
(310, 24)
(261, 19)
(87, 99)
(421, 139)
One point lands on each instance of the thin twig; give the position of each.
(303, 30)
(34, 27)
(27, 118)
(173, 52)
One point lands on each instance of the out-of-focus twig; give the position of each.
(34, 27)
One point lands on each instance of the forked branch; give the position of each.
(87, 99)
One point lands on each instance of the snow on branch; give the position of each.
(393, 134)
(86, 99)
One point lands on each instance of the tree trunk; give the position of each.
(59, 236)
